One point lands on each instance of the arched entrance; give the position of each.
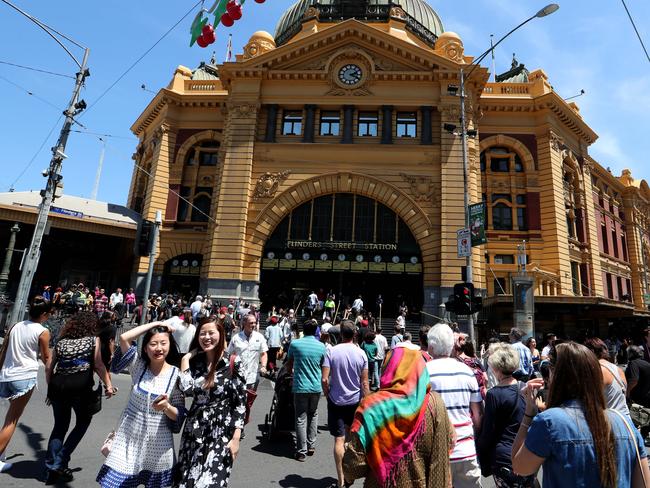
(345, 243)
(181, 275)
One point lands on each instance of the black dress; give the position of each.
(204, 458)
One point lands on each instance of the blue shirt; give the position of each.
(308, 355)
(274, 335)
(525, 359)
(563, 438)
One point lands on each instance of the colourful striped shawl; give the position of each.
(390, 421)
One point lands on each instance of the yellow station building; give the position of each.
(318, 159)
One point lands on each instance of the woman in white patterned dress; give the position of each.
(142, 452)
(210, 441)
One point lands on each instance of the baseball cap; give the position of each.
(273, 320)
(223, 310)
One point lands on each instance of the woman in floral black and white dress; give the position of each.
(210, 441)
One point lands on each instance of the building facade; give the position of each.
(319, 159)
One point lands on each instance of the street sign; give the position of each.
(646, 298)
(477, 223)
(464, 243)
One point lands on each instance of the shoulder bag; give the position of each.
(636, 447)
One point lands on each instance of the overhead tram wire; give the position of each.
(31, 161)
(119, 78)
(636, 30)
(36, 69)
(31, 93)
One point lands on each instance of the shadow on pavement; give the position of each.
(297, 481)
(279, 448)
(29, 469)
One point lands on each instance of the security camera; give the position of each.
(45, 173)
(61, 154)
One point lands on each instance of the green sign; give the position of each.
(477, 224)
(646, 298)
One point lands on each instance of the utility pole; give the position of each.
(152, 257)
(54, 177)
(463, 135)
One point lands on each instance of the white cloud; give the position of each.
(633, 94)
(608, 151)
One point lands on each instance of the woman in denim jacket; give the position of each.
(578, 441)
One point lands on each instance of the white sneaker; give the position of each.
(5, 466)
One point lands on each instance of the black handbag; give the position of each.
(95, 400)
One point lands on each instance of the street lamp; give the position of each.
(53, 173)
(464, 133)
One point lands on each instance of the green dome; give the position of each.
(421, 19)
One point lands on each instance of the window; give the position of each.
(386, 224)
(201, 209)
(367, 124)
(522, 220)
(575, 278)
(624, 247)
(292, 123)
(504, 259)
(519, 167)
(364, 219)
(190, 159)
(604, 238)
(499, 165)
(321, 218)
(614, 243)
(300, 219)
(183, 205)
(330, 123)
(619, 287)
(407, 124)
(208, 153)
(501, 196)
(500, 286)
(501, 217)
(343, 215)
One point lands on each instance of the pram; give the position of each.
(281, 417)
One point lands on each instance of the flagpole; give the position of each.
(494, 66)
(229, 49)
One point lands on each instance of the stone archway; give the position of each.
(394, 198)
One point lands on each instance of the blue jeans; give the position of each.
(58, 450)
(376, 374)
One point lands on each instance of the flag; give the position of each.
(229, 49)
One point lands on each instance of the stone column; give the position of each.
(6, 265)
(227, 247)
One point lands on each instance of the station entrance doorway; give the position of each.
(346, 245)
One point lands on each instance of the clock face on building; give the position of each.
(350, 74)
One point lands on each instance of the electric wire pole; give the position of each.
(54, 177)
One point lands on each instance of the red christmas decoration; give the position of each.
(201, 41)
(234, 10)
(208, 34)
(227, 20)
(260, 1)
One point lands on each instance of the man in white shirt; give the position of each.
(382, 347)
(251, 348)
(196, 307)
(327, 324)
(458, 388)
(116, 298)
(182, 331)
(357, 305)
(274, 336)
(550, 340)
(312, 303)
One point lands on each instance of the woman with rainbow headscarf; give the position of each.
(401, 435)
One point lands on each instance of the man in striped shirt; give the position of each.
(455, 382)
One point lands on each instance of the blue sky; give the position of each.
(587, 44)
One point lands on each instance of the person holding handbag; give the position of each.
(504, 411)
(142, 447)
(69, 375)
(576, 439)
(19, 356)
(210, 440)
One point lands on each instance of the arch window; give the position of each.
(499, 159)
(205, 153)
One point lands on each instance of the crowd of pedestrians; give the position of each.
(433, 414)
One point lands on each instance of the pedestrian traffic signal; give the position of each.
(463, 297)
(144, 238)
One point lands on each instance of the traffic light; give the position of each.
(477, 304)
(451, 304)
(463, 296)
(144, 238)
